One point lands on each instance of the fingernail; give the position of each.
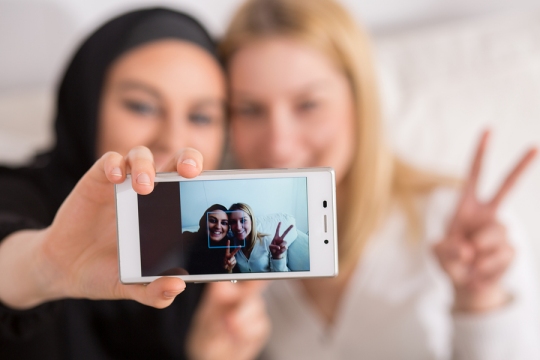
(143, 179)
(190, 162)
(170, 294)
(116, 172)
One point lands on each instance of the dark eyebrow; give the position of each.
(134, 85)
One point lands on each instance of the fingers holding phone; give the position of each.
(76, 256)
(187, 162)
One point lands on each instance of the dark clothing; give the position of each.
(191, 256)
(30, 197)
(201, 259)
(84, 329)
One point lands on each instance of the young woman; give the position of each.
(217, 224)
(143, 92)
(257, 255)
(213, 229)
(424, 272)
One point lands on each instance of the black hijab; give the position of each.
(30, 197)
(81, 86)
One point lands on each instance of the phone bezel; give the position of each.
(320, 187)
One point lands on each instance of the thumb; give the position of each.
(159, 293)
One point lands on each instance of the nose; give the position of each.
(280, 136)
(170, 138)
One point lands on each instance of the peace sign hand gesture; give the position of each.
(475, 252)
(229, 261)
(278, 245)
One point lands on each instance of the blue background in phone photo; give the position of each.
(264, 196)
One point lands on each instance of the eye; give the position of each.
(225, 223)
(213, 220)
(307, 105)
(200, 119)
(141, 108)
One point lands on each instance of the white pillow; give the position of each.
(267, 224)
(298, 253)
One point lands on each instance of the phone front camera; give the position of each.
(324, 204)
(326, 241)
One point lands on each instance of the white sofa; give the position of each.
(297, 241)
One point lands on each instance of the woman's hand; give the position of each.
(476, 252)
(229, 262)
(77, 257)
(278, 246)
(230, 323)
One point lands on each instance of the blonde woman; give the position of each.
(426, 271)
(256, 255)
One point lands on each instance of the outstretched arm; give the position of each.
(76, 256)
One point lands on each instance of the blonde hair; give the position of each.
(254, 235)
(376, 177)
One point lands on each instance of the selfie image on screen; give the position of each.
(224, 226)
(217, 228)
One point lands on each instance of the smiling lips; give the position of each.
(216, 233)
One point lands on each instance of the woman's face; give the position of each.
(240, 223)
(218, 225)
(291, 107)
(164, 95)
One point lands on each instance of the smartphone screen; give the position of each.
(193, 227)
(229, 225)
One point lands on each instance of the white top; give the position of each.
(260, 259)
(398, 305)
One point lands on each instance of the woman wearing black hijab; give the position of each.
(146, 78)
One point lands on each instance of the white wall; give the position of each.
(36, 36)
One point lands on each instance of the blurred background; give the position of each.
(447, 69)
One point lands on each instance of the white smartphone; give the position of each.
(229, 225)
